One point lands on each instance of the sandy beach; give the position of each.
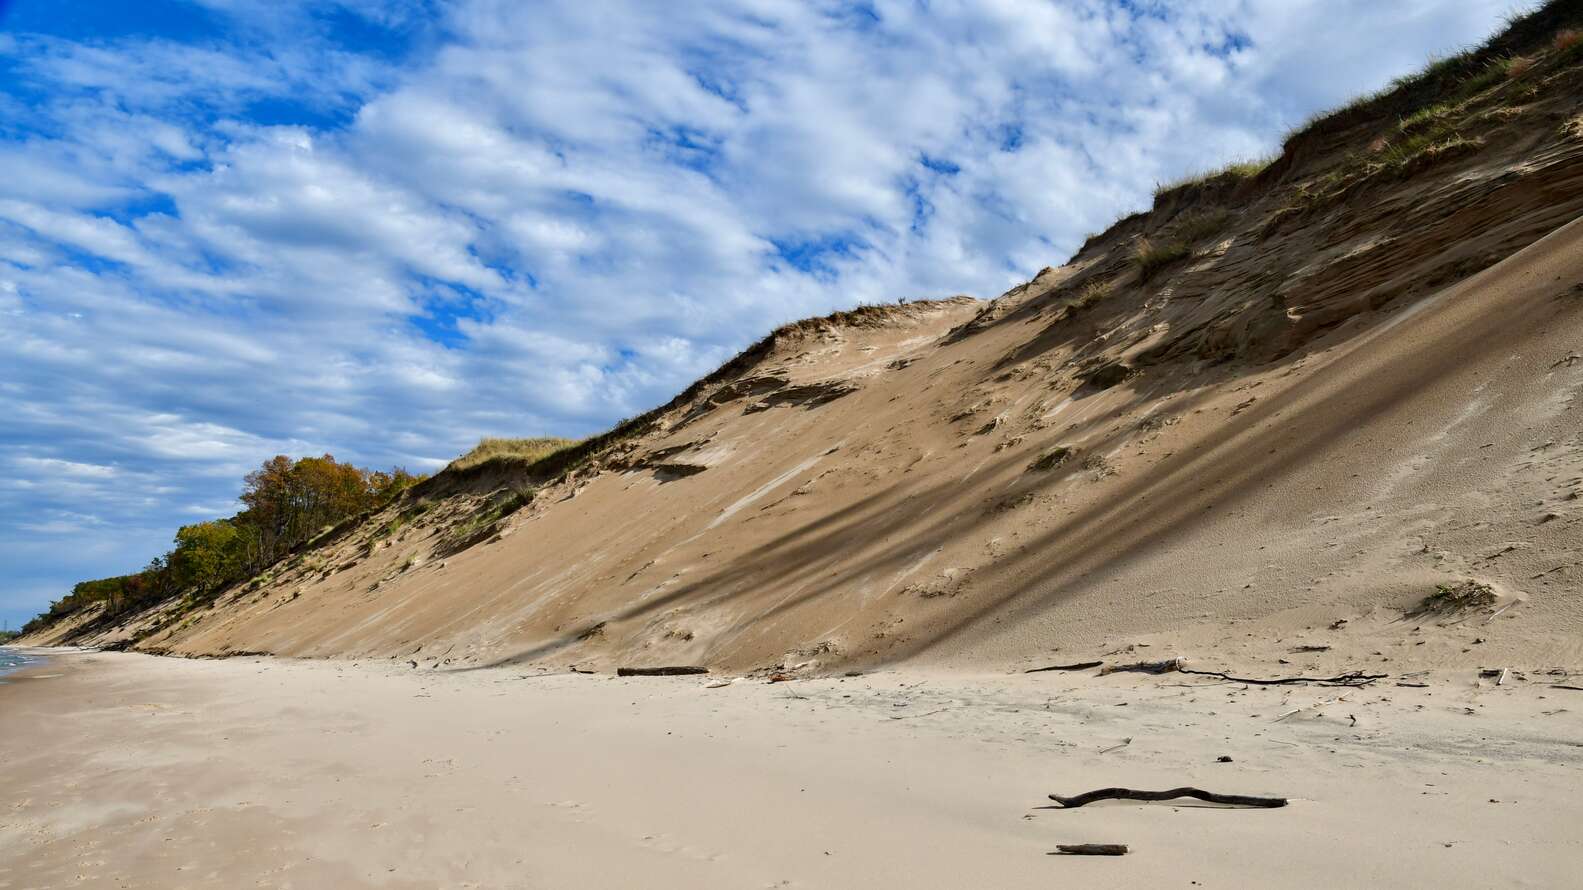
(125, 770)
(492, 445)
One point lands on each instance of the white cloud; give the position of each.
(49, 466)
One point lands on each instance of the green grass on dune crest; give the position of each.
(527, 449)
(1244, 169)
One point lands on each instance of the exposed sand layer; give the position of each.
(124, 770)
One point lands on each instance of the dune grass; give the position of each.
(1496, 71)
(1429, 116)
(1460, 596)
(1090, 295)
(1415, 156)
(527, 450)
(1195, 227)
(1151, 256)
(1243, 169)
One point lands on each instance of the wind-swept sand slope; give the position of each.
(239, 773)
(1216, 510)
(1358, 381)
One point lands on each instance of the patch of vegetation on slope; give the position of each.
(1253, 260)
(287, 504)
(526, 451)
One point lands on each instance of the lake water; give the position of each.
(11, 661)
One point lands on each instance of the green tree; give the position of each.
(207, 555)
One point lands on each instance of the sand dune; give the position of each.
(1351, 379)
(1232, 510)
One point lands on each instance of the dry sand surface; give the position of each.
(127, 770)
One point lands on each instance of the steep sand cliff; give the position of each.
(1273, 413)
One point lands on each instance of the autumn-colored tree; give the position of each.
(264, 492)
(289, 502)
(385, 486)
(286, 502)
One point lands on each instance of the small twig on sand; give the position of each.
(1500, 610)
(924, 714)
(1351, 678)
(1080, 666)
(1124, 743)
(1565, 686)
(1090, 850)
(1236, 800)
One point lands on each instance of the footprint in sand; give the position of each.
(576, 809)
(663, 843)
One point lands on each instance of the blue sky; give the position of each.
(236, 228)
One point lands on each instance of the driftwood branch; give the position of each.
(1176, 665)
(1092, 849)
(1235, 800)
(1080, 666)
(1351, 678)
(661, 671)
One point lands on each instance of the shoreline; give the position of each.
(28, 658)
(142, 771)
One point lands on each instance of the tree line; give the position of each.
(285, 503)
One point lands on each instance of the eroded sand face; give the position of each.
(1224, 514)
(1356, 382)
(132, 771)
